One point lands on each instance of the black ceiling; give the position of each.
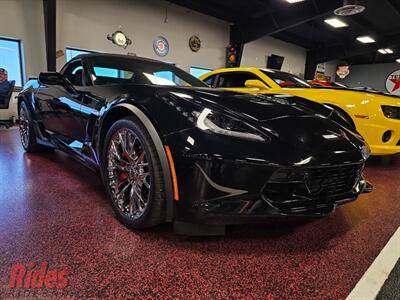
(303, 24)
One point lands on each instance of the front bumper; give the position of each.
(374, 128)
(221, 192)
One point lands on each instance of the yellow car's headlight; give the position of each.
(391, 112)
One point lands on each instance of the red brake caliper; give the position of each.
(123, 175)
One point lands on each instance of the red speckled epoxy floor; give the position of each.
(55, 210)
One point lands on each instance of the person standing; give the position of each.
(4, 83)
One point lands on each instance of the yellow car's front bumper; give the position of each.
(373, 131)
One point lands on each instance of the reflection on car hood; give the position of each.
(256, 107)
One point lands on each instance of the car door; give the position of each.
(59, 108)
(91, 103)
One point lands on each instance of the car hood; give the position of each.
(342, 93)
(295, 121)
(254, 107)
(257, 108)
(293, 124)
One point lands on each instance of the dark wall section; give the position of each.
(373, 76)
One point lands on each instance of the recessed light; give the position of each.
(335, 22)
(385, 51)
(398, 60)
(365, 39)
(293, 1)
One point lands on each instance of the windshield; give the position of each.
(285, 80)
(337, 84)
(120, 70)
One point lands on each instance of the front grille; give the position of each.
(301, 189)
(332, 181)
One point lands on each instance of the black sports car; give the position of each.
(169, 149)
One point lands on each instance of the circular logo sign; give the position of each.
(161, 46)
(194, 43)
(393, 83)
(120, 39)
(343, 71)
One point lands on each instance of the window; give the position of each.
(210, 80)
(168, 75)
(126, 70)
(235, 80)
(11, 60)
(285, 80)
(73, 52)
(197, 72)
(74, 73)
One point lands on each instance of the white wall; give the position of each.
(255, 55)
(85, 24)
(23, 20)
(330, 69)
(370, 75)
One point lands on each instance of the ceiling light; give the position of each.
(335, 22)
(398, 60)
(293, 1)
(365, 39)
(385, 51)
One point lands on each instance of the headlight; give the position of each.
(391, 112)
(365, 152)
(224, 125)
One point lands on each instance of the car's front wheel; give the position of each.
(26, 130)
(133, 174)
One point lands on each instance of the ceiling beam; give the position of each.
(253, 29)
(210, 9)
(395, 6)
(294, 39)
(339, 52)
(265, 11)
(366, 26)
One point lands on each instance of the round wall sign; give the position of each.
(194, 43)
(161, 46)
(393, 83)
(343, 71)
(120, 39)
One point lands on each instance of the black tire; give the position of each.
(154, 212)
(26, 130)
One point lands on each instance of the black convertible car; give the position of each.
(169, 149)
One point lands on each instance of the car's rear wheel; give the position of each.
(133, 174)
(26, 130)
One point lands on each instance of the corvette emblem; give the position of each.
(393, 83)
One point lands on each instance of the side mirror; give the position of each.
(55, 78)
(255, 84)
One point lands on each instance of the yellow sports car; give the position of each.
(376, 116)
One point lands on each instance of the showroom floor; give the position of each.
(54, 210)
